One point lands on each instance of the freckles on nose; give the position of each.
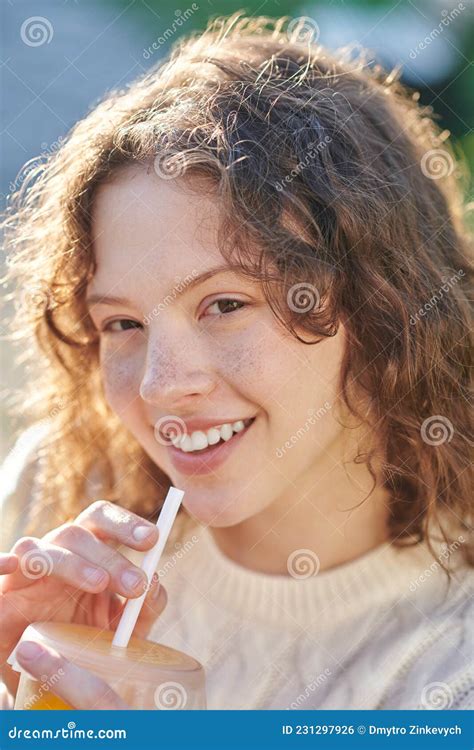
(160, 373)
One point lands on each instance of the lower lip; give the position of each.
(206, 461)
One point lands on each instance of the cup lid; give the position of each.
(92, 648)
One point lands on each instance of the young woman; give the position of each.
(246, 275)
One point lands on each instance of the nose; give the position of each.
(176, 377)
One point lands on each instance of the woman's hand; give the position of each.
(74, 573)
(78, 687)
(8, 563)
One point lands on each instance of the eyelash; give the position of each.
(106, 328)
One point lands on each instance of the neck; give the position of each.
(327, 516)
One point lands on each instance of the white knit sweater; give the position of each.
(381, 632)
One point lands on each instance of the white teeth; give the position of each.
(185, 443)
(213, 436)
(200, 440)
(226, 431)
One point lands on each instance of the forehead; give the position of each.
(142, 221)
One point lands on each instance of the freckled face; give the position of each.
(171, 348)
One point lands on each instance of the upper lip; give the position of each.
(193, 425)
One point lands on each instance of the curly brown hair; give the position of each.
(276, 128)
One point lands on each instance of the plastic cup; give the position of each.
(146, 675)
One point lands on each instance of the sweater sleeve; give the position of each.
(17, 485)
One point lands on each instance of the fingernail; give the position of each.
(94, 576)
(29, 650)
(141, 532)
(132, 579)
(155, 586)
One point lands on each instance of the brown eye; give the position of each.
(225, 306)
(125, 322)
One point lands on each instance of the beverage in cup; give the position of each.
(145, 675)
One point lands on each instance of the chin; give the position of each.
(218, 512)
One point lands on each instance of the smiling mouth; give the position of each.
(209, 448)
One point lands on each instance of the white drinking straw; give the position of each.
(149, 565)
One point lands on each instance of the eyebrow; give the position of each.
(195, 281)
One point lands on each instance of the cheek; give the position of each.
(262, 362)
(268, 366)
(121, 380)
(308, 403)
(242, 362)
(256, 357)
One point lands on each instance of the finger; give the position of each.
(102, 610)
(155, 600)
(39, 559)
(106, 519)
(154, 603)
(78, 687)
(115, 610)
(8, 563)
(125, 578)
